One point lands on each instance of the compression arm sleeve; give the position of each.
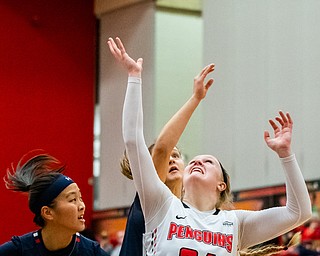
(259, 226)
(153, 194)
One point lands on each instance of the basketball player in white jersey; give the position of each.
(195, 225)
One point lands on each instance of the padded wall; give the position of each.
(47, 83)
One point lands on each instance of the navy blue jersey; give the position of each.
(132, 241)
(31, 244)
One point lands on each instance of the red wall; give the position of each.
(47, 81)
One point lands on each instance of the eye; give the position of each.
(175, 155)
(73, 200)
(209, 161)
(192, 162)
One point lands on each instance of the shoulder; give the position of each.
(85, 242)
(229, 213)
(9, 248)
(89, 247)
(19, 245)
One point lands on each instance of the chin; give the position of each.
(175, 175)
(81, 228)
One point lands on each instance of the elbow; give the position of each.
(307, 211)
(306, 214)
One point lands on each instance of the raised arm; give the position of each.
(172, 131)
(260, 226)
(153, 194)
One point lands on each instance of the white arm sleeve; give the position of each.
(259, 226)
(153, 193)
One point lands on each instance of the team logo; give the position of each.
(227, 223)
(186, 232)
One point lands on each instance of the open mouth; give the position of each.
(197, 169)
(173, 168)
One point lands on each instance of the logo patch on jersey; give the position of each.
(178, 217)
(202, 236)
(227, 223)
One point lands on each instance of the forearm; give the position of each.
(131, 123)
(298, 200)
(260, 226)
(170, 135)
(148, 185)
(172, 131)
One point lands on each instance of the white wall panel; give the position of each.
(135, 26)
(178, 61)
(266, 53)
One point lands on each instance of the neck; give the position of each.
(54, 242)
(202, 201)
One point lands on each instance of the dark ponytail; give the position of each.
(34, 177)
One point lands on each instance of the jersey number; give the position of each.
(190, 252)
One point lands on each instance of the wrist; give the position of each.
(195, 98)
(284, 153)
(134, 74)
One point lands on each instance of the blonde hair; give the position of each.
(125, 164)
(272, 248)
(225, 201)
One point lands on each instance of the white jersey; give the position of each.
(185, 231)
(172, 229)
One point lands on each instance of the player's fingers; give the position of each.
(289, 118)
(283, 116)
(273, 124)
(209, 83)
(266, 136)
(281, 122)
(120, 45)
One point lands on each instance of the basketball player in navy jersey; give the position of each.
(56, 202)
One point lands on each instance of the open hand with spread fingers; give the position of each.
(200, 87)
(281, 143)
(117, 49)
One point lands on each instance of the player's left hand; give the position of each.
(281, 143)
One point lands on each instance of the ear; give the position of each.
(46, 213)
(222, 186)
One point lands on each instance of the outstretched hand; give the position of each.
(200, 88)
(281, 143)
(117, 49)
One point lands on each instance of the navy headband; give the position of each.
(51, 192)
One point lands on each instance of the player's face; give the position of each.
(176, 167)
(205, 169)
(68, 212)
